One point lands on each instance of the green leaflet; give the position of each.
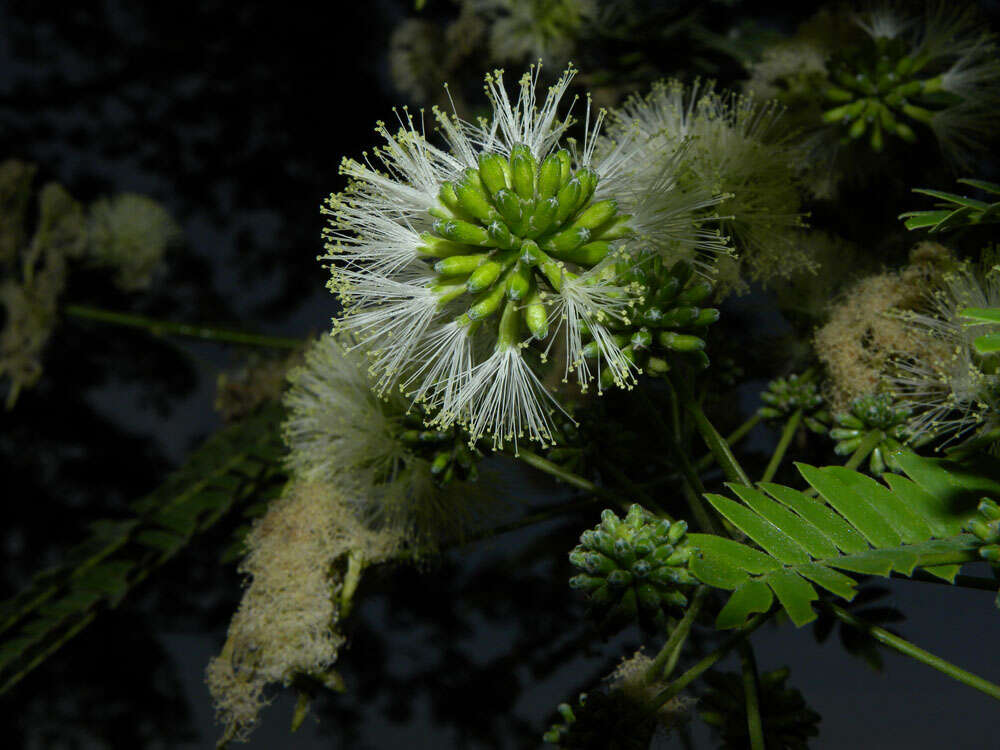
(231, 466)
(857, 525)
(954, 210)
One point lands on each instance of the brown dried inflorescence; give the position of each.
(260, 380)
(286, 624)
(865, 333)
(33, 273)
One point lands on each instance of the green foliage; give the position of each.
(97, 574)
(787, 721)
(954, 211)
(859, 525)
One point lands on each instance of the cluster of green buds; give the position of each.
(609, 721)
(785, 396)
(787, 721)
(876, 412)
(448, 451)
(504, 233)
(633, 567)
(879, 88)
(987, 528)
(667, 318)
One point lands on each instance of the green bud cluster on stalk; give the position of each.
(633, 567)
(868, 413)
(879, 89)
(448, 451)
(668, 318)
(987, 529)
(785, 396)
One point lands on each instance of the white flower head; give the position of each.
(884, 20)
(724, 152)
(131, 233)
(933, 71)
(339, 431)
(959, 389)
(453, 262)
(524, 30)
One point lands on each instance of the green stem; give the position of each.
(908, 649)
(163, 327)
(694, 488)
(717, 444)
(554, 470)
(869, 443)
(786, 439)
(751, 689)
(644, 497)
(709, 661)
(355, 566)
(656, 670)
(733, 438)
(529, 520)
(755, 726)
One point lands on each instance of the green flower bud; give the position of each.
(542, 218)
(568, 197)
(679, 342)
(437, 247)
(536, 316)
(457, 230)
(484, 276)
(459, 265)
(522, 169)
(494, 173)
(474, 201)
(550, 176)
(519, 283)
(487, 304)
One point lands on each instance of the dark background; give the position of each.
(235, 116)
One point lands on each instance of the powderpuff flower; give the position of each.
(936, 71)
(287, 623)
(455, 265)
(959, 389)
(732, 144)
(131, 233)
(881, 79)
(524, 30)
(339, 431)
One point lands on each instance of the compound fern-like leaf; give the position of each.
(232, 466)
(855, 525)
